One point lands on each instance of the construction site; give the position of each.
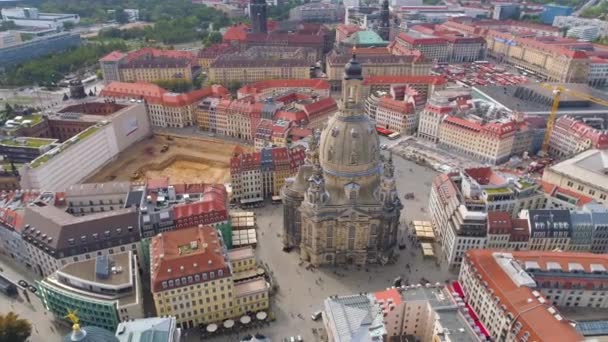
(182, 159)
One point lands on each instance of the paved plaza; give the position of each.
(301, 291)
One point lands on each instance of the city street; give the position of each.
(44, 328)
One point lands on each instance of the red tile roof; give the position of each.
(157, 183)
(172, 256)
(236, 33)
(11, 219)
(113, 56)
(154, 94)
(258, 87)
(484, 176)
(535, 318)
(499, 222)
(552, 190)
(320, 107)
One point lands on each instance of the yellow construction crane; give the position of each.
(558, 90)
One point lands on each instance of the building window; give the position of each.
(351, 237)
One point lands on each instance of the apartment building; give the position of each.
(77, 158)
(243, 69)
(583, 174)
(489, 143)
(271, 88)
(54, 238)
(571, 136)
(423, 312)
(208, 55)
(441, 44)
(507, 233)
(86, 198)
(518, 294)
(259, 175)
(105, 290)
(460, 204)
(164, 108)
(440, 104)
(149, 65)
(397, 115)
(549, 229)
(545, 56)
(193, 279)
(375, 62)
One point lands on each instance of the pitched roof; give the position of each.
(113, 56)
(154, 94)
(184, 253)
(535, 318)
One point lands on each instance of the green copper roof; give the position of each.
(365, 38)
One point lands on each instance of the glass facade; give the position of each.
(93, 312)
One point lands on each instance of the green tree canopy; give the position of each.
(13, 328)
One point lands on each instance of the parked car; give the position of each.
(316, 315)
(23, 283)
(32, 288)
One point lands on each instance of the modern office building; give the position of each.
(80, 156)
(24, 149)
(104, 290)
(506, 11)
(193, 279)
(550, 11)
(11, 55)
(30, 17)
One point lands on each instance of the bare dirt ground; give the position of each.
(187, 160)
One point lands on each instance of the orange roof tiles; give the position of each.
(535, 318)
(154, 94)
(113, 56)
(552, 190)
(172, 257)
(236, 33)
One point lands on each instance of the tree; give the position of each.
(212, 38)
(121, 16)
(8, 109)
(68, 25)
(13, 328)
(7, 25)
